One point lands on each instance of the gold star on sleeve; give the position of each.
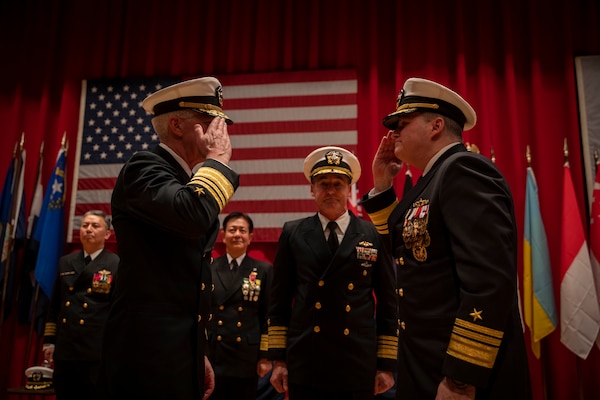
(199, 191)
(476, 314)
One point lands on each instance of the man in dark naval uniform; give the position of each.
(327, 334)
(165, 208)
(237, 332)
(454, 240)
(78, 310)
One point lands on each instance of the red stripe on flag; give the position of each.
(265, 234)
(272, 179)
(96, 183)
(272, 206)
(266, 153)
(331, 125)
(81, 209)
(291, 101)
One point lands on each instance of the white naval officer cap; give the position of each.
(427, 96)
(38, 378)
(203, 95)
(332, 160)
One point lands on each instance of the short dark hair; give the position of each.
(236, 215)
(98, 213)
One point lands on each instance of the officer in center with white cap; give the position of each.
(165, 208)
(328, 337)
(454, 241)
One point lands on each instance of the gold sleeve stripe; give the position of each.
(390, 354)
(387, 347)
(278, 329)
(277, 337)
(210, 179)
(224, 184)
(472, 352)
(50, 329)
(215, 182)
(264, 342)
(206, 184)
(476, 336)
(380, 218)
(389, 340)
(478, 328)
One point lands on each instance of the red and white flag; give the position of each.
(579, 308)
(595, 238)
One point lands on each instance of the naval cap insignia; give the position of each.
(219, 95)
(333, 157)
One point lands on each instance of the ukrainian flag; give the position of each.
(539, 305)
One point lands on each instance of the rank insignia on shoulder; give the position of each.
(414, 232)
(102, 281)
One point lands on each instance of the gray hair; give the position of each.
(161, 122)
(101, 214)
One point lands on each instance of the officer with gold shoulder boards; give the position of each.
(454, 240)
(328, 336)
(166, 224)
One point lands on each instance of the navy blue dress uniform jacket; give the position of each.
(166, 226)
(238, 329)
(79, 305)
(324, 320)
(454, 240)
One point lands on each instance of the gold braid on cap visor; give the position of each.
(204, 107)
(409, 107)
(328, 169)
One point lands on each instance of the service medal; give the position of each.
(101, 281)
(414, 233)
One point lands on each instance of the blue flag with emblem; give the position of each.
(50, 228)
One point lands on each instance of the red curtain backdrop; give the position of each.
(513, 60)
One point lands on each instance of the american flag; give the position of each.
(279, 119)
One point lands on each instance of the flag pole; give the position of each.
(10, 225)
(36, 295)
(578, 358)
(542, 365)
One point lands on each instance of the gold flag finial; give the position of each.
(493, 156)
(22, 140)
(566, 150)
(472, 148)
(528, 156)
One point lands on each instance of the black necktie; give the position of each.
(234, 268)
(332, 240)
(87, 259)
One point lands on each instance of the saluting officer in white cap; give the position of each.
(454, 242)
(165, 206)
(327, 335)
